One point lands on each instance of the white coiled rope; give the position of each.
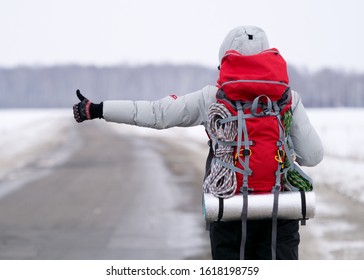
(221, 181)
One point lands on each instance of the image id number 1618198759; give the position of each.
(239, 270)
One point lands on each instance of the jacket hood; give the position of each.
(246, 40)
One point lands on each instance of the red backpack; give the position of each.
(254, 90)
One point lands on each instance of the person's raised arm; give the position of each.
(186, 110)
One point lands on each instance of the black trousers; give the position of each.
(225, 240)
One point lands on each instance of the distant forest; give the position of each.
(52, 87)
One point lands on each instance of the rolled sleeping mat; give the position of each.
(291, 205)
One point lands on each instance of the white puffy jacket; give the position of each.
(191, 110)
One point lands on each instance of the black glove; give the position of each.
(86, 110)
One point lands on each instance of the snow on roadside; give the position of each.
(27, 133)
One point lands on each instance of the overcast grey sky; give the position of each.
(313, 34)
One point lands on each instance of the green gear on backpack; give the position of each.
(293, 176)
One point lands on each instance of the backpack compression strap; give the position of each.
(244, 189)
(277, 187)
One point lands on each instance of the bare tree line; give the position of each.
(45, 87)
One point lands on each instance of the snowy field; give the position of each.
(342, 134)
(27, 134)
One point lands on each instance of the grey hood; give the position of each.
(246, 40)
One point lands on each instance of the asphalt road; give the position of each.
(115, 198)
